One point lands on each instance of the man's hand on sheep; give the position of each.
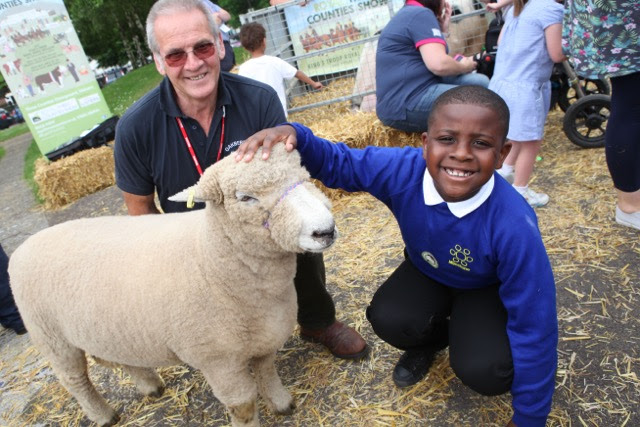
(266, 139)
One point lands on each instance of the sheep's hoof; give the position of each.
(288, 410)
(113, 421)
(244, 414)
(158, 392)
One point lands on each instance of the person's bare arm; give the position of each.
(435, 58)
(140, 205)
(306, 79)
(553, 37)
(223, 15)
(496, 6)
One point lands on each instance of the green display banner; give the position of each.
(48, 73)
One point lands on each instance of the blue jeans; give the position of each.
(416, 120)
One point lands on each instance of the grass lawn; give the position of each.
(13, 131)
(129, 88)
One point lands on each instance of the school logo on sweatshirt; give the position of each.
(460, 257)
(430, 259)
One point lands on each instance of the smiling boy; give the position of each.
(476, 276)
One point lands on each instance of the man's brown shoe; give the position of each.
(341, 340)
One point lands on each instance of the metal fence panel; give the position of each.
(335, 40)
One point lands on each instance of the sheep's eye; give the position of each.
(243, 197)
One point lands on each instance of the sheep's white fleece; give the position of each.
(212, 288)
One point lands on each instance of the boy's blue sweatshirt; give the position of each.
(497, 241)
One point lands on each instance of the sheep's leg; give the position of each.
(234, 386)
(147, 380)
(70, 365)
(270, 387)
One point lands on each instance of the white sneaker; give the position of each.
(506, 175)
(536, 200)
(629, 219)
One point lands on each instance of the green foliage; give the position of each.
(2, 153)
(111, 31)
(241, 54)
(129, 88)
(240, 7)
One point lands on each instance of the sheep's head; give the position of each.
(270, 199)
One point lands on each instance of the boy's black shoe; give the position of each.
(20, 330)
(413, 366)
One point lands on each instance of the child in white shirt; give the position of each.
(268, 69)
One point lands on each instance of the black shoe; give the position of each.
(413, 366)
(20, 330)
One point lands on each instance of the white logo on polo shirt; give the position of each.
(233, 145)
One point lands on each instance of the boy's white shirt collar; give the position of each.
(459, 209)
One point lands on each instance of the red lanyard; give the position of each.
(190, 147)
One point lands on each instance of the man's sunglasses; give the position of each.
(201, 51)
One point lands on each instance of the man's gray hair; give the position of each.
(169, 7)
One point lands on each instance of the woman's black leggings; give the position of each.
(623, 133)
(411, 311)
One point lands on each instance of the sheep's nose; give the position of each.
(329, 234)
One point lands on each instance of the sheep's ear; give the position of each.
(207, 189)
(209, 186)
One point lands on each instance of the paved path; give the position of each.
(20, 215)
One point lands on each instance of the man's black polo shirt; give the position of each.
(150, 151)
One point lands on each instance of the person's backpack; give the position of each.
(487, 59)
(493, 32)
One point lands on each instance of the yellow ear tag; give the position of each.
(190, 202)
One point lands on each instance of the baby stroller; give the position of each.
(586, 102)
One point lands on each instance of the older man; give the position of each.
(196, 116)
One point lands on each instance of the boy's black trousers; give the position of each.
(412, 311)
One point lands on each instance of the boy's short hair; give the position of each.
(251, 35)
(475, 95)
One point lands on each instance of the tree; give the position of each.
(240, 7)
(111, 32)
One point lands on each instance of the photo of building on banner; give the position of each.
(48, 73)
(322, 24)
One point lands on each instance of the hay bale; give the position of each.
(360, 130)
(339, 123)
(70, 178)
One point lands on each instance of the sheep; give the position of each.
(467, 34)
(212, 288)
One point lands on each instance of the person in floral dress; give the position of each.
(602, 39)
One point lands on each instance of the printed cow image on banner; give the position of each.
(48, 73)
